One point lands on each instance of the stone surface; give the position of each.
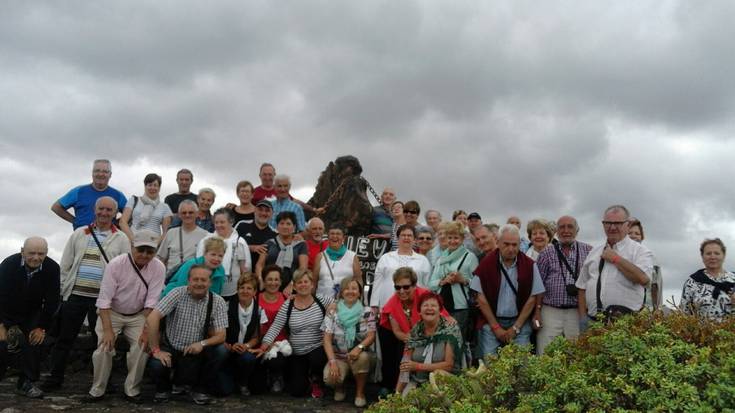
(349, 205)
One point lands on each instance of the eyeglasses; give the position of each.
(101, 171)
(425, 239)
(609, 224)
(402, 287)
(407, 211)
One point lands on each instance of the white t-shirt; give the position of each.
(341, 269)
(387, 265)
(230, 263)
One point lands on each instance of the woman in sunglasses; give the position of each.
(397, 317)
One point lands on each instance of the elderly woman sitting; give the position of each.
(397, 317)
(348, 332)
(302, 318)
(245, 318)
(433, 344)
(540, 232)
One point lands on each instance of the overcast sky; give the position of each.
(502, 107)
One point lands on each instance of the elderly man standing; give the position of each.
(259, 232)
(486, 239)
(525, 242)
(315, 242)
(559, 265)
(283, 202)
(180, 243)
(83, 198)
(130, 289)
(507, 283)
(382, 218)
(29, 297)
(613, 278)
(83, 262)
(184, 179)
(192, 342)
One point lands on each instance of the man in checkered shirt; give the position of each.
(559, 264)
(194, 356)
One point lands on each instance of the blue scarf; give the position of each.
(336, 255)
(349, 317)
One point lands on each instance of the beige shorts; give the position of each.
(359, 366)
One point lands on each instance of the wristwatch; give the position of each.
(203, 343)
(361, 347)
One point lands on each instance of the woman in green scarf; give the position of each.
(452, 273)
(433, 344)
(348, 332)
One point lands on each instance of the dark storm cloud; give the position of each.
(504, 108)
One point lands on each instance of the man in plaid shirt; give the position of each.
(194, 356)
(559, 264)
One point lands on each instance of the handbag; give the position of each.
(446, 291)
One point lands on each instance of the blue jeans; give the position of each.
(237, 369)
(489, 344)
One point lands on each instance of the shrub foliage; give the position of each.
(648, 362)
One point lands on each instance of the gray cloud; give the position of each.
(504, 108)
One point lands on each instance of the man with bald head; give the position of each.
(382, 218)
(29, 297)
(83, 262)
(315, 242)
(559, 265)
(614, 276)
(525, 242)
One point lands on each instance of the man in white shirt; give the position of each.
(613, 277)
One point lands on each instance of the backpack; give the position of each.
(290, 309)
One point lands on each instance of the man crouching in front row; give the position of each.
(196, 320)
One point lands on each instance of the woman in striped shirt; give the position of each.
(302, 318)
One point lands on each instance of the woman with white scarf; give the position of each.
(236, 260)
(284, 251)
(147, 211)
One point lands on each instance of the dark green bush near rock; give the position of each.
(648, 362)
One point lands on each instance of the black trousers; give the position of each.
(72, 314)
(30, 356)
(303, 369)
(196, 370)
(391, 349)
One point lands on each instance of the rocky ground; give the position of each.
(78, 380)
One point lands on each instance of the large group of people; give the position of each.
(254, 297)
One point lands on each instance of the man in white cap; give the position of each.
(131, 287)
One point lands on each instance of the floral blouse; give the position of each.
(697, 299)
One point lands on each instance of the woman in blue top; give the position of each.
(214, 250)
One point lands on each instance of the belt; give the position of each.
(562, 307)
(506, 318)
(130, 315)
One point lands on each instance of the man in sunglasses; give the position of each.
(130, 289)
(612, 279)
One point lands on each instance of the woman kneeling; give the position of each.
(348, 332)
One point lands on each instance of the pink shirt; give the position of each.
(122, 290)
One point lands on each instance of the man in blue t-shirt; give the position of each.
(82, 198)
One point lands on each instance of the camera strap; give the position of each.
(563, 260)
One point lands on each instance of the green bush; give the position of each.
(648, 362)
